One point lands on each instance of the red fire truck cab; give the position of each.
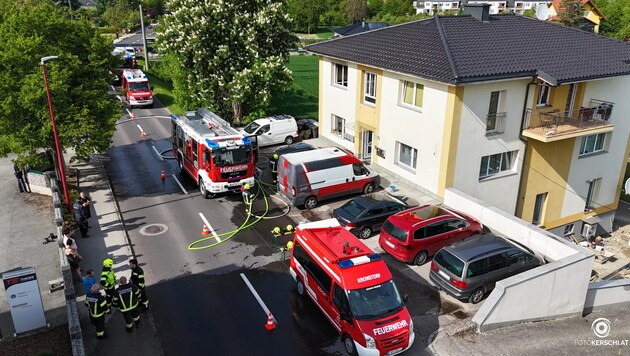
(353, 287)
(136, 84)
(214, 154)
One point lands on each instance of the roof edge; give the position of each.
(447, 49)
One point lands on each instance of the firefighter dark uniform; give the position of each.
(108, 280)
(274, 169)
(126, 299)
(137, 278)
(97, 305)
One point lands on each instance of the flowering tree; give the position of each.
(229, 55)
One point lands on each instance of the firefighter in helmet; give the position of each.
(248, 197)
(108, 280)
(274, 169)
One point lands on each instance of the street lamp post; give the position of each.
(62, 170)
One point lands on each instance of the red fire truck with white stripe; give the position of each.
(353, 287)
(213, 153)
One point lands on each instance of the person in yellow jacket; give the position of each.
(108, 280)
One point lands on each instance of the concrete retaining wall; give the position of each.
(39, 182)
(607, 294)
(74, 326)
(556, 289)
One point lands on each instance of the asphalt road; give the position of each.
(199, 299)
(135, 40)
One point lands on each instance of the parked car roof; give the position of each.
(296, 147)
(421, 214)
(469, 249)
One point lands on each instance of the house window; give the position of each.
(593, 185)
(493, 164)
(341, 128)
(519, 5)
(568, 229)
(454, 5)
(495, 119)
(370, 88)
(592, 144)
(340, 76)
(543, 95)
(412, 93)
(538, 208)
(407, 155)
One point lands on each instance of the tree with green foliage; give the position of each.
(230, 55)
(617, 24)
(305, 14)
(570, 13)
(398, 7)
(334, 14)
(85, 115)
(531, 12)
(356, 10)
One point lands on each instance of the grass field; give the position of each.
(163, 90)
(301, 101)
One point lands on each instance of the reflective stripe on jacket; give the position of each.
(137, 277)
(108, 278)
(126, 297)
(96, 304)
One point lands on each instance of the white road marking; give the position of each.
(129, 112)
(209, 227)
(140, 128)
(260, 301)
(119, 98)
(180, 184)
(113, 89)
(157, 153)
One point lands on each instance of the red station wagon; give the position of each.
(415, 234)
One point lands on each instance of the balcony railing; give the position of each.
(596, 114)
(495, 123)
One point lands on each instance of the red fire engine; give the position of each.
(353, 287)
(136, 84)
(214, 154)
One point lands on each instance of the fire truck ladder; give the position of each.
(220, 126)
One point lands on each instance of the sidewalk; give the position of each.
(107, 238)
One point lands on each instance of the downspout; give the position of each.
(520, 136)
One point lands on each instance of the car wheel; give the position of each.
(365, 232)
(421, 258)
(288, 140)
(476, 296)
(348, 344)
(310, 202)
(202, 189)
(369, 188)
(300, 287)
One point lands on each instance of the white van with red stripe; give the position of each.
(306, 178)
(353, 287)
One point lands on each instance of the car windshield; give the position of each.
(449, 262)
(227, 157)
(353, 208)
(394, 231)
(375, 302)
(139, 86)
(251, 127)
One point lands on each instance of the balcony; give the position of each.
(554, 125)
(495, 123)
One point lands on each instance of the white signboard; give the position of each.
(24, 299)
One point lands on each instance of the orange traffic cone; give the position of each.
(205, 230)
(162, 176)
(143, 134)
(270, 324)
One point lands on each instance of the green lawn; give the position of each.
(301, 101)
(163, 91)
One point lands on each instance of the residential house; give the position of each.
(435, 6)
(496, 6)
(529, 116)
(520, 6)
(592, 15)
(88, 4)
(355, 28)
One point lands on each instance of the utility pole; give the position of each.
(144, 41)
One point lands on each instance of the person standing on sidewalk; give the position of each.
(19, 175)
(88, 281)
(79, 217)
(86, 203)
(67, 236)
(108, 280)
(74, 258)
(97, 305)
(137, 278)
(126, 300)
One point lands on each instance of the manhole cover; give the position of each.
(153, 229)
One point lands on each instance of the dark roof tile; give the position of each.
(460, 49)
